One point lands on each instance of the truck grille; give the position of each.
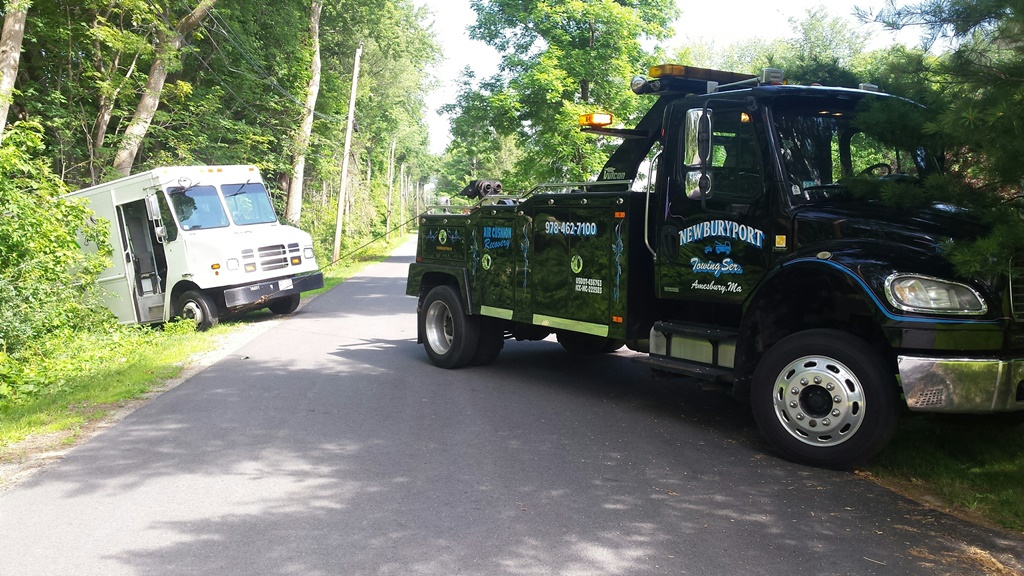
(273, 257)
(1017, 290)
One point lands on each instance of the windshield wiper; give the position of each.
(241, 187)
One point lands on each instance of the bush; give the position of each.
(46, 281)
(47, 284)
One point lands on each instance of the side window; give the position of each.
(734, 163)
(170, 227)
(647, 175)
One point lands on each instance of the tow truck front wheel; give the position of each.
(450, 336)
(826, 398)
(196, 306)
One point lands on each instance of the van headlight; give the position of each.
(917, 293)
(307, 252)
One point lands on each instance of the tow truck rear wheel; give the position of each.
(491, 341)
(587, 344)
(284, 304)
(450, 336)
(197, 306)
(826, 398)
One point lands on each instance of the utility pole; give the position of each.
(401, 211)
(391, 184)
(344, 159)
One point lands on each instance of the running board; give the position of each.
(685, 367)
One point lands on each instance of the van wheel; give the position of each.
(284, 304)
(450, 336)
(826, 398)
(197, 306)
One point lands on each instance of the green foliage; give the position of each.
(45, 278)
(974, 95)
(559, 60)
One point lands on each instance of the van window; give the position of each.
(249, 203)
(198, 207)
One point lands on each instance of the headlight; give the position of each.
(915, 293)
(308, 252)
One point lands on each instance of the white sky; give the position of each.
(719, 21)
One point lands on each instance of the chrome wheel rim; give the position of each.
(819, 401)
(193, 311)
(440, 329)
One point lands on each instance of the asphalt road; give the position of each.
(329, 445)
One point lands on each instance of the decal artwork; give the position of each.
(474, 255)
(497, 237)
(576, 264)
(728, 288)
(571, 228)
(525, 245)
(723, 229)
(726, 266)
(617, 249)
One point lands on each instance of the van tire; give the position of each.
(284, 304)
(197, 306)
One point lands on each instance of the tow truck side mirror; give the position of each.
(698, 186)
(704, 137)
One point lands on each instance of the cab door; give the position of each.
(713, 243)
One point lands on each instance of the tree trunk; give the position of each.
(10, 54)
(150, 100)
(104, 115)
(293, 206)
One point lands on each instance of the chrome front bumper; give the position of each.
(962, 385)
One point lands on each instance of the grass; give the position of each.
(108, 369)
(971, 466)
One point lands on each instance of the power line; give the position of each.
(221, 27)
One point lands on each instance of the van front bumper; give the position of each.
(261, 292)
(962, 385)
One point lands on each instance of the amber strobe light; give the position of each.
(596, 119)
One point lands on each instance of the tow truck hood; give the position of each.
(925, 229)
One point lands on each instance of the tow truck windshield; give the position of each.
(823, 141)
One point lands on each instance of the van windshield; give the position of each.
(198, 207)
(249, 203)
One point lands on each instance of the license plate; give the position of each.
(285, 284)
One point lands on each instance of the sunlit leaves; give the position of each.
(559, 59)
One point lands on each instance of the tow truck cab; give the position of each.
(724, 239)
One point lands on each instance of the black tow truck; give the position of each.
(721, 240)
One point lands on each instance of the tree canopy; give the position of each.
(558, 60)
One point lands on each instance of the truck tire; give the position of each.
(450, 336)
(284, 304)
(197, 306)
(491, 341)
(826, 398)
(587, 344)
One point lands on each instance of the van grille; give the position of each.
(273, 257)
(1017, 290)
